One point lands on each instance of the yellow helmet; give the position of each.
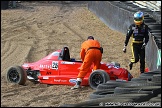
(138, 18)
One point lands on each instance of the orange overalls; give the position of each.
(89, 56)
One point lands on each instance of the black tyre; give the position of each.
(138, 89)
(149, 75)
(16, 74)
(139, 79)
(154, 26)
(148, 83)
(112, 84)
(155, 99)
(101, 93)
(156, 78)
(105, 86)
(98, 77)
(112, 95)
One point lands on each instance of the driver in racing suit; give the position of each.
(139, 33)
(90, 53)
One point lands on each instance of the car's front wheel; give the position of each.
(98, 77)
(16, 74)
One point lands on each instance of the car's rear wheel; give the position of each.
(16, 74)
(98, 77)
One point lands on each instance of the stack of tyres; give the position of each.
(157, 16)
(155, 30)
(135, 91)
(149, 20)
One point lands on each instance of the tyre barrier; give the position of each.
(155, 99)
(111, 84)
(154, 31)
(145, 88)
(111, 94)
(150, 79)
(156, 78)
(156, 34)
(157, 38)
(122, 91)
(149, 20)
(154, 26)
(150, 73)
(140, 79)
(134, 82)
(157, 16)
(101, 93)
(106, 86)
(154, 90)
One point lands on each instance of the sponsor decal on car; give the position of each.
(59, 80)
(67, 62)
(45, 77)
(45, 66)
(55, 65)
(72, 81)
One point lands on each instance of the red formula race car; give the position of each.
(59, 68)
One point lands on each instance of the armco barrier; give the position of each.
(118, 16)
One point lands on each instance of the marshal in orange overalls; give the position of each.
(90, 56)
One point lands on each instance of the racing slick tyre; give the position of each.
(98, 77)
(16, 74)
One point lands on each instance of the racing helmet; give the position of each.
(138, 18)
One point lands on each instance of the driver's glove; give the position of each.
(124, 49)
(143, 46)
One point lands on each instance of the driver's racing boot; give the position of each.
(130, 65)
(77, 85)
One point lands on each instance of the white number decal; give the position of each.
(54, 65)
